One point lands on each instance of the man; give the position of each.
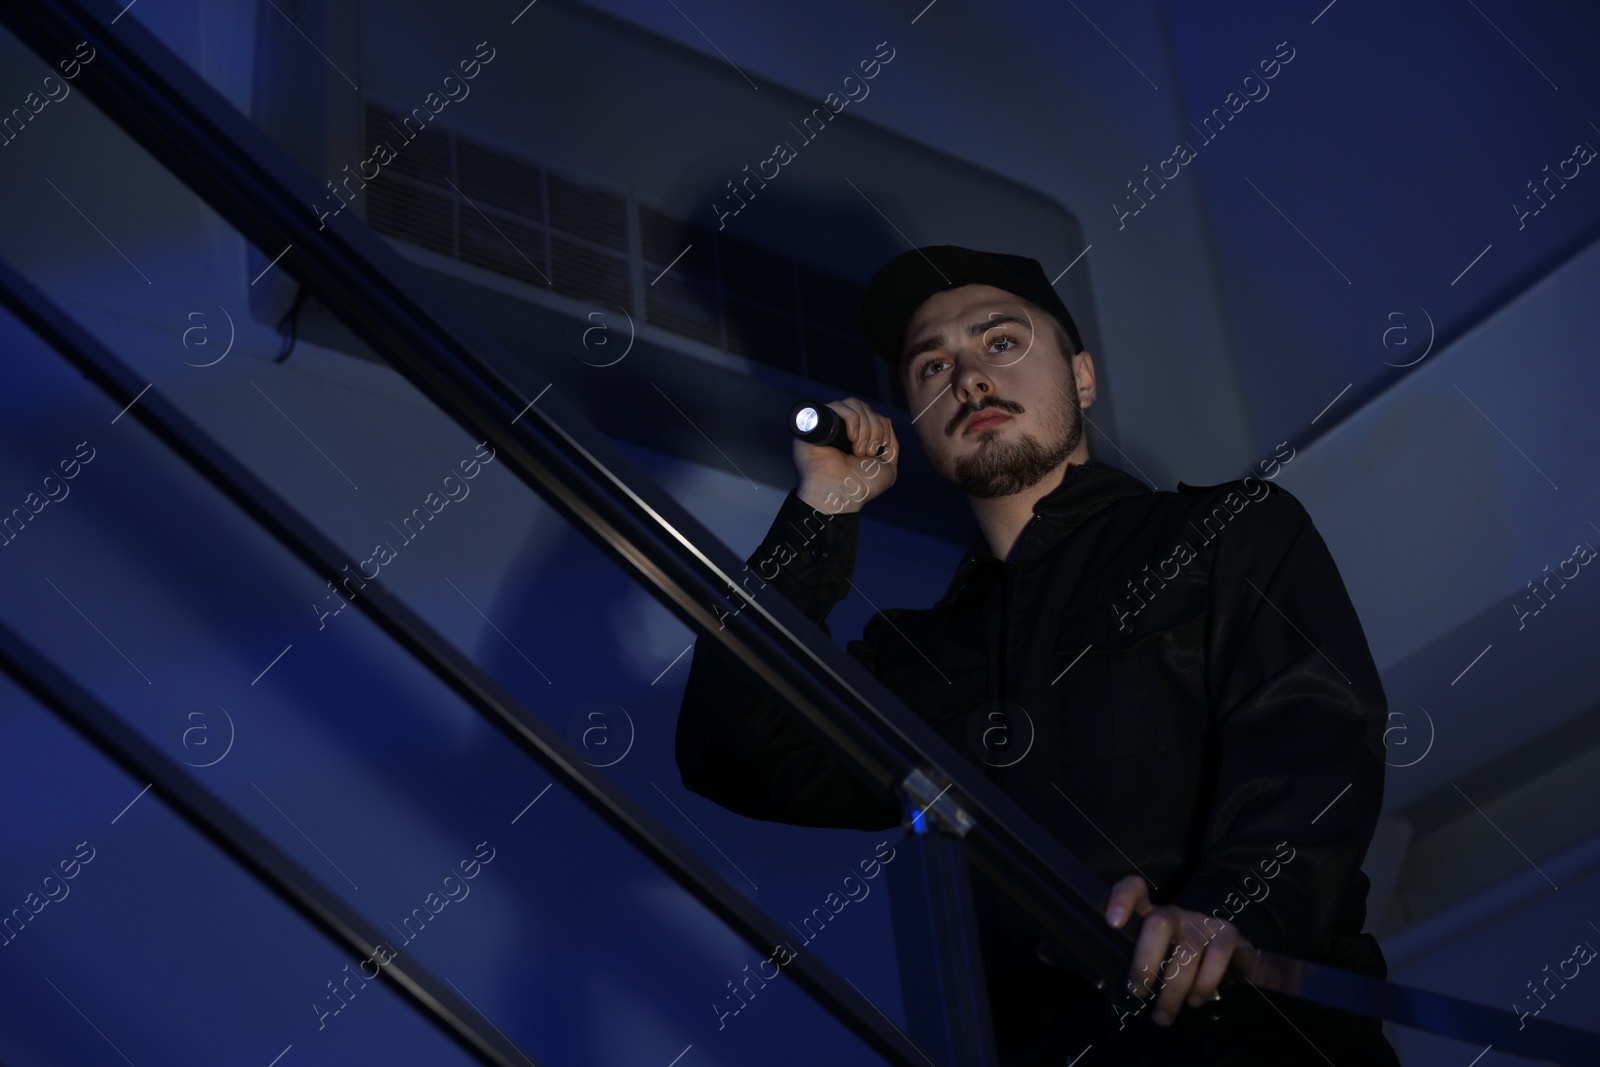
(1173, 683)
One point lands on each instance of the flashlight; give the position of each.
(819, 424)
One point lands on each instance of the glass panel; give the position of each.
(169, 605)
(127, 932)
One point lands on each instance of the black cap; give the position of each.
(899, 288)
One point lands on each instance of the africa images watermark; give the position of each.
(33, 103)
(384, 154)
(1182, 956)
(589, 732)
(784, 153)
(414, 923)
(1183, 553)
(12, 925)
(12, 525)
(413, 524)
(783, 553)
(1582, 154)
(1578, 958)
(1185, 153)
(785, 953)
(1582, 554)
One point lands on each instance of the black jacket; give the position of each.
(1175, 684)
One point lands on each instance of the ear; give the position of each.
(1083, 377)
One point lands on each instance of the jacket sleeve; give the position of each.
(1298, 711)
(736, 743)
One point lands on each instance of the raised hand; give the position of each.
(833, 482)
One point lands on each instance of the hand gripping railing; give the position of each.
(186, 125)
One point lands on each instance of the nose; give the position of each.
(973, 384)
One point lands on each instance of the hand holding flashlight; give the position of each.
(819, 424)
(844, 452)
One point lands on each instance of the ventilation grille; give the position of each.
(533, 223)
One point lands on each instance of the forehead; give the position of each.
(951, 311)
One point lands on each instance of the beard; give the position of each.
(1003, 466)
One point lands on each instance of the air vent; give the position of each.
(531, 222)
(684, 299)
(592, 214)
(495, 180)
(579, 271)
(509, 246)
(412, 213)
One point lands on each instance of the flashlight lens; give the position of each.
(806, 420)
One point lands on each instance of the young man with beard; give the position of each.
(1214, 755)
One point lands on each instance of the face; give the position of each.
(996, 406)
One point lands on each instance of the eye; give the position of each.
(1010, 342)
(923, 373)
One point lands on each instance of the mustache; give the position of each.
(1010, 406)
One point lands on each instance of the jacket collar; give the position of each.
(1085, 490)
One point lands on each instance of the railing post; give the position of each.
(942, 979)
